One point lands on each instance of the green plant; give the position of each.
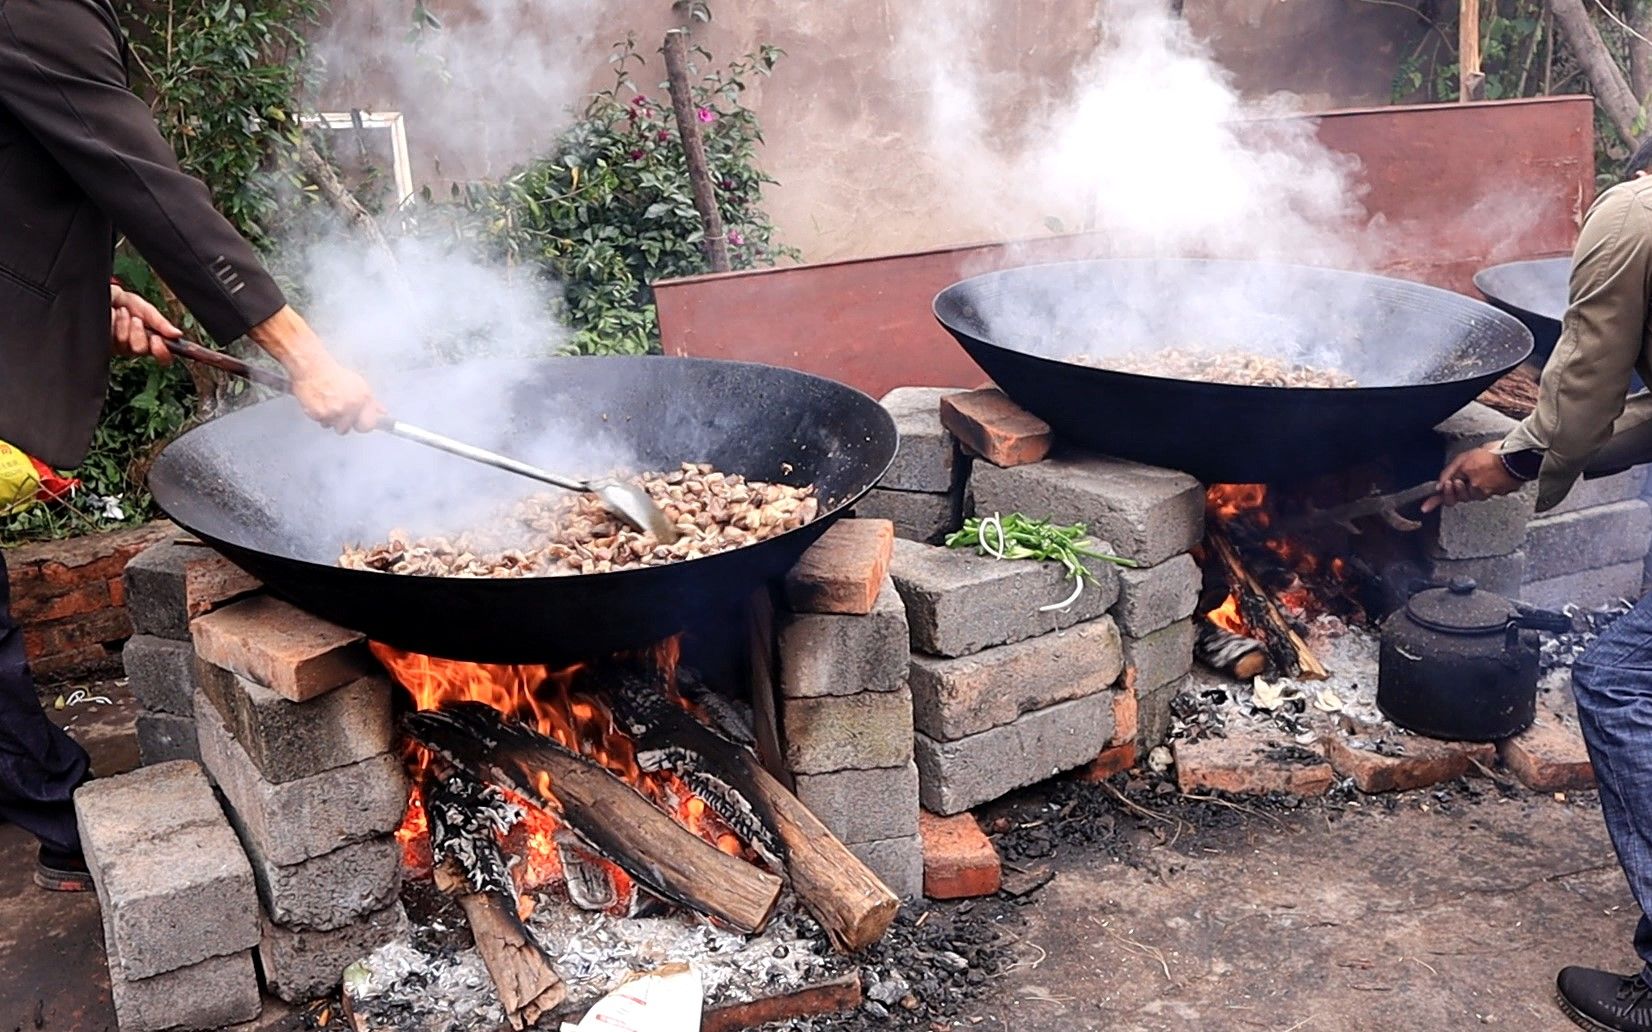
(610, 210)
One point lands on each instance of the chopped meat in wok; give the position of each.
(1231, 367)
(558, 535)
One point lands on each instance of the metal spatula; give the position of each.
(627, 501)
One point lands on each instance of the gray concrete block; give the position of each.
(291, 740)
(954, 698)
(926, 458)
(332, 890)
(959, 602)
(1149, 514)
(1470, 427)
(1153, 711)
(125, 811)
(1587, 588)
(171, 583)
(917, 516)
(834, 654)
(161, 673)
(955, 776)
(297, 820)
(1588, 539)
(301, 966)
(848, 732)
(1503, 574)
(1154, 597)
(210, 995)
(864, 805)
(1479, 530)
(163, 738)
(1586, 494)
(1160, 657)
(162, 855)
(898, 863)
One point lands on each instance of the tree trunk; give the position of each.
(1640, 51)
(1612, 92)
(1471, 80)
(694, 147)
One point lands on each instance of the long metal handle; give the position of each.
(469, 451)
(270, 378)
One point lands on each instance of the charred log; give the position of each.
(466, 817)
(1289, 653)
(1233, 654)
(608, 816)
(848, 900)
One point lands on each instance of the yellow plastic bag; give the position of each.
(19, 480)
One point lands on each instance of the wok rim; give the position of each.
(1502, 303)
(613, 577)
(1257, 391)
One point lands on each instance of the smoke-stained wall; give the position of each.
(851, 114)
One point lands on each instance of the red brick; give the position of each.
(84, 661)
(960, 862)
(991, 426)
(1115, 759)
(1251, 763)
(82, 598)
(283, 648)
(1549, 757)
(1126, 710)
(1427, 761)
(844, 570)
(99, 627)
(117, 590)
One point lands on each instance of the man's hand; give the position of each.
(329, 393)
(1472, 477)
(137, 329)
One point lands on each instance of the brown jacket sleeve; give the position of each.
(63, 77)
(1587, 378)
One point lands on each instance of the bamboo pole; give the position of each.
(1471, 81)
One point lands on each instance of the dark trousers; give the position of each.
(40, 766)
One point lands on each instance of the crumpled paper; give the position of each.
(668, 999)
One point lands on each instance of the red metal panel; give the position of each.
(1454, 187)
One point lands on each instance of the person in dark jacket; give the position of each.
(81, 160)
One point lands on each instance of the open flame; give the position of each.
(555, 702)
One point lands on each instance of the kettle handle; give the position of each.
(1542, 620)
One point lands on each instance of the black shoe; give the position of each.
(1603, 1002)
(59, 871)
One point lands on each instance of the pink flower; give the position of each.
(736, 238)
(636, 154)
(662, 136)
(706, 114)
(639, 101)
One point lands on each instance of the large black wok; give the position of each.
(280, 497)
(1532, 291)
(1419, 355)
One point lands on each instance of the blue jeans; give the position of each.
(1613, 684)
(40, 766)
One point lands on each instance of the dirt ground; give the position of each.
(1395, 916)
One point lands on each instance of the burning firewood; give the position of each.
(1291, 655)
(848, 900)
(609, 817)
(466, 818)
(1236, 655)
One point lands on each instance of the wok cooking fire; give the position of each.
(1268, 577)
(565, 705)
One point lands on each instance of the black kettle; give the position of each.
(1455, 663)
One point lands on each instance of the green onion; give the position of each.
(1017, 537)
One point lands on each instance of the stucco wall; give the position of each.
(845, 115)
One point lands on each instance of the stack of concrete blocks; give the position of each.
(295, 728)
(1004, 692)
(923, 492)
(845, 706)
(166, 586)
(180, 914)
(1152, 516)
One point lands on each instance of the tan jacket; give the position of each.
(1604, 340)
